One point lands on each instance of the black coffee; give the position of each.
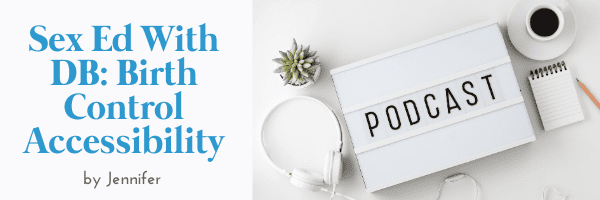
(544, 22)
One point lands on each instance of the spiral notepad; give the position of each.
(555, 96)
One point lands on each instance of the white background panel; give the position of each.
(219, 104)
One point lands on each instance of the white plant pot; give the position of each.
(307, 84)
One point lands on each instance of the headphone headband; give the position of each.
(262, 130)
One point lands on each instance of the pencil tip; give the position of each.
(577, 79)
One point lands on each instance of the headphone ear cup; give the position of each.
(333, 167)
(307, 180)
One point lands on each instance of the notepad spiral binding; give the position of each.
(548, 70)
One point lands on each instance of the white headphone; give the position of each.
(306, 179)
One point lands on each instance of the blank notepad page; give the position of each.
(555, 96)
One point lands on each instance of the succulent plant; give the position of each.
(298, 66)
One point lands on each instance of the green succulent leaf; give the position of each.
(299, 65)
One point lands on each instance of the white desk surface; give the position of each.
(347, 31)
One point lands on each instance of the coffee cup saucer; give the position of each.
(531, 48)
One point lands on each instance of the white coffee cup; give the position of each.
(557, 9)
